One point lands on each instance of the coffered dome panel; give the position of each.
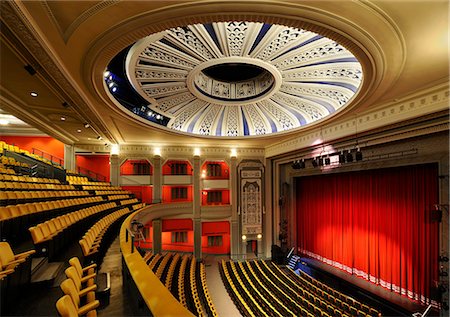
(240, 79)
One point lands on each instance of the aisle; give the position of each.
(118, 303)
(223, 303)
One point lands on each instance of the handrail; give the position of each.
(156, 296)
(90, 174)
(46, 155)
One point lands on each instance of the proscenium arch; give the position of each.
(380, 68)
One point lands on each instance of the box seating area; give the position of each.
(185, 277)
(260, 287)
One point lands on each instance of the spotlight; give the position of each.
(63, 118)
(99, 138)
(158, 116)
(79, 130)
(327, 160)
(111, 84)
(349, 157)
(87, 125)
(314, 163)
(33, 94)
(358, 155)
(106, 74)
(114, 89)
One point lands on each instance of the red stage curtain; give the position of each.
(374, 224)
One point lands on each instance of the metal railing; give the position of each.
(45, 155)
(91, 174)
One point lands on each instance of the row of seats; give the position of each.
(51, 236)
(16, 149)
(28, 179)
(324, 300)
(16, 219)
(15, 273)
(129, 201)
(82, 180)
(33, 186)
(79, 291)
(4, 170)
(97, 187)
(244, 302)
(11, 161)
(20, 197)
(324, 291)
(185, 278)
(115, 197)
(111, 192)
(91, 243)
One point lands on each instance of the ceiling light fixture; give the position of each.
(87, 125)
(33, 94)
(63, 118)
(99, 138)
(79, 130)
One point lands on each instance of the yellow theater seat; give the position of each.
(72, 273)
(82, 271)
(69, 288)
(8, 258)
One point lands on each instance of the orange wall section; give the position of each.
(96, 163)
(43, 143)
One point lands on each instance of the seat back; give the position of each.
(66, 307)
(6, 254)
(36, 234)
(69, 288)
(72, 274)
(75, 262)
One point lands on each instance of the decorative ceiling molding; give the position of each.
(408, 108)
(237, 72)
(24, 35)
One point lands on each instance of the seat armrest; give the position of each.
(88, 307)
(24, 254)
(6, 272)
(16, 261)
(92, 266)
(88, 277)
(84, 291)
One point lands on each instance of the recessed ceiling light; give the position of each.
(87, 125)
(79, 130)
(33, 94)
(63, 118)
(4, 122)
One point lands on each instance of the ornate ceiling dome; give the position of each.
(235, 79)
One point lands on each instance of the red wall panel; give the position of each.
(167, 194)
(176, 225)
(225, 197)
(144, 193)
(166, 169)
(217, 228)
(225, 171)
(127, 168)
(96, 163)
(43, 143)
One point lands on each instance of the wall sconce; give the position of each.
(233, 153)
(196, 152)
(244, 237)
(157, 151)
(259, 236)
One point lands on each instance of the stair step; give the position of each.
(47, 273)
(37, 263)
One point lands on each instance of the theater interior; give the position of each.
(224, 158)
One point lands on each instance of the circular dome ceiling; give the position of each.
(235, 79)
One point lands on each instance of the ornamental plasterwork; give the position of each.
(301, 77)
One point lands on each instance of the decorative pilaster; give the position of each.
(157, 179)
(69, 157)
(114, 170)
(157, 238)
(196, 208)
(234, 224)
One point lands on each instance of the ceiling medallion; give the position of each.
(234, 79)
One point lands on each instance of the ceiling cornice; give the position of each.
(29, 44)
